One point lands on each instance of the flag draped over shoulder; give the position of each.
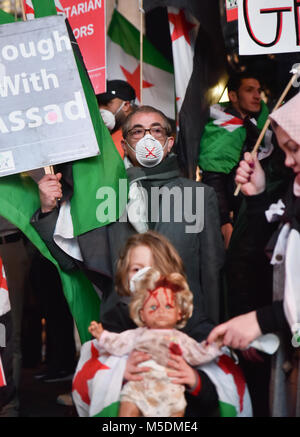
(123, 62)
(19, 199)
(223, 139)
(209, 68)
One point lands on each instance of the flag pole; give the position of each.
(141, 48)
(267, 123)
(22, 9)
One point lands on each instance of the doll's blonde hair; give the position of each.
(152, 280)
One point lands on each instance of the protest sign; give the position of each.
(87, 19)
(268, 26)
(44, 117)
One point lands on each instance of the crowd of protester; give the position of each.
(239, 261)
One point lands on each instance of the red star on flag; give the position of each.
(87, 372)
(182, 27)
(134, 80)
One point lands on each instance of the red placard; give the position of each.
(87, 19)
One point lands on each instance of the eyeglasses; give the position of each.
(158, 132)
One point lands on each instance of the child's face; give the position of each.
(160, 310)
(139, 257)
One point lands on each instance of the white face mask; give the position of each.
(149, 152)
(136, 278)
(108, 118)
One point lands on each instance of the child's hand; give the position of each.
(96, 329)
(133, 372)
(180, 371)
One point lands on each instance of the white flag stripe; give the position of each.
(183, 54)
(160, 95)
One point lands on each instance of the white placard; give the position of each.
(268, 26)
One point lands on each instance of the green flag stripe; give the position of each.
(19, 199)
(111, 411)
(105, 169)
(227, 410)
(119, 27)
(6, 18)
(44, 8)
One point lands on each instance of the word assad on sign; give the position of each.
(40, 87)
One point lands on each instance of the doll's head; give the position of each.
(161, 302)
(149, 249)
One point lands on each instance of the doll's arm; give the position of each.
(118, 343)
(96, 329)
(199, 353)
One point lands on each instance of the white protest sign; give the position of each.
(44, 117)
(268, 26)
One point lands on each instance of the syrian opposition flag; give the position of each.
(209, 68)
(123, 62)
(183, 31)
(98, 381)
(19, 200)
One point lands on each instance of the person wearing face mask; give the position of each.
(114, 105)
(187, 215)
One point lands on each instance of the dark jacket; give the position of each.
(202, 252)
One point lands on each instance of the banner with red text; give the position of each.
(87, 20)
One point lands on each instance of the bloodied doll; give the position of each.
(160, 306)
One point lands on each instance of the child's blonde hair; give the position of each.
(152, 280)
(165, 258)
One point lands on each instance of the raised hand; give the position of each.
(250, 175)
(50, 190)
